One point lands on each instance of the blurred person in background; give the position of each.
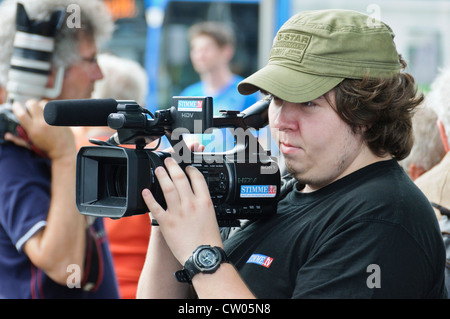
(123, 79)
(428, 149)
(47, 248)
(435, 183)
(212, 47)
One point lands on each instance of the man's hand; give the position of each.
(189, 220)
(56, 142)
(17, 140)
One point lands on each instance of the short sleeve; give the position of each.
(24, 193)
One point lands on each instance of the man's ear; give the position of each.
(3, 94)
(228, 52)
(54, 82)
(444, 138)
(51, 78)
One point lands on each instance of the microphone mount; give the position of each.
(137, 125)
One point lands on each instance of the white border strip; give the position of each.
(30, 234)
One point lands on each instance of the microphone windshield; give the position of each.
(82, 112)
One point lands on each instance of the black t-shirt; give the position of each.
(371, 234)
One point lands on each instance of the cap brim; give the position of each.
(288, 84)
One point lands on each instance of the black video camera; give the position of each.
(244, 182)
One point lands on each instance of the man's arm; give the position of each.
(157, 278)
(158, 281)
(188, 222)
(62, 241)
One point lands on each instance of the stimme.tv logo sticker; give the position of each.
(190, 106)
(258, 191)
(261, 260)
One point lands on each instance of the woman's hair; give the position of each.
(123, 79)
(381, 110)
(439, 98)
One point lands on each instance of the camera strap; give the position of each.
(442, 209)
(287, 187)
(93, 267)
(23, 135)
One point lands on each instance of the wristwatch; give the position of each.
(205, 259)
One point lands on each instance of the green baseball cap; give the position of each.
(316, 50)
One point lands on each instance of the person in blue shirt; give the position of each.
(47, 248)
(212, 47)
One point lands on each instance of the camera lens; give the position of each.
(119, 177)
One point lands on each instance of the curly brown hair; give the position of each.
(381, 110)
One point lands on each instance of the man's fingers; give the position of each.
(198, 182)
(196, 147)
(151, 203)
(179, 194)
(169, 189)
(21, 113)
(34, 108)
(16, 140)
(179, 179)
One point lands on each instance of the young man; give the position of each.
(350, 223)
(48, 249)
(212, 49)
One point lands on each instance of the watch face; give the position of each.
(207, 258)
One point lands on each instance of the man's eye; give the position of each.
(310, 103)
(276, 99)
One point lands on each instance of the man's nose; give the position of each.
(96, 72)
(284, 116)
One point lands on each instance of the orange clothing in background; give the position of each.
(128, 236)
(128, 241)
